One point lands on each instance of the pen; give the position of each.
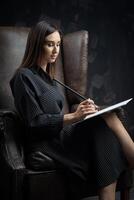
(70, 89)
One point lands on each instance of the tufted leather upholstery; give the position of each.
(16, 181)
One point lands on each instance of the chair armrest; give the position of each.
(11, 151)
(12, 168)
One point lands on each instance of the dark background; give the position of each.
(111, 40)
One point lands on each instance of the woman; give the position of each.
(88, 150)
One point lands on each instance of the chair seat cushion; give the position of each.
(44, 185)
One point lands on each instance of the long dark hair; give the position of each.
(35, 42)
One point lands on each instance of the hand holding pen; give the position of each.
(85, 108)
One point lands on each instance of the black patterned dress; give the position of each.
(87, 149)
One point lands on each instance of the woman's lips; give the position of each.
(53, 57)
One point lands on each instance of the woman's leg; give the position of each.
(121, 133)
(108, 192)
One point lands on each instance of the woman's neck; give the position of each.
(42, 64)
(44, 67)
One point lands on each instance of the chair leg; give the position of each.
(124, 194)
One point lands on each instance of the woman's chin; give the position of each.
(52, 60)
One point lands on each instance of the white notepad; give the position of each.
(109, 108)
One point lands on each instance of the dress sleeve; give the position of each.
(30, 110)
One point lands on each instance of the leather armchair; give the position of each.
(17, 182)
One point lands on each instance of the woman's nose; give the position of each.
(55, 49)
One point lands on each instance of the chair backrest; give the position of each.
(71, 66)
(12, 44)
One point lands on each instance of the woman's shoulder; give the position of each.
(21, 76)
(24, 72)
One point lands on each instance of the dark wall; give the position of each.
(111, 39)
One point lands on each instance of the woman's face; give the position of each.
(51, 47)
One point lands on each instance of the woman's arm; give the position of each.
(30, 110)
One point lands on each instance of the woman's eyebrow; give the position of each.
(52, 41)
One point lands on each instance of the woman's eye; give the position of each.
(50, 45)
(58, 45)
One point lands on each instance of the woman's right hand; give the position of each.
(85, 108)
